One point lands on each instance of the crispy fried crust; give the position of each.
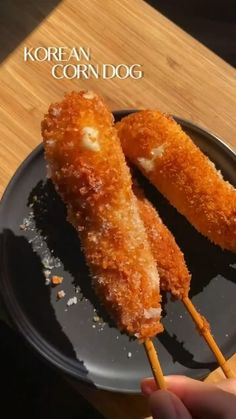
(183, 174)
(174, 275)
(88, 168)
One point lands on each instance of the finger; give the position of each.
(166, 405)
(202, 399)
(148, 386)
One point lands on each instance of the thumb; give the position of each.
(166, 405)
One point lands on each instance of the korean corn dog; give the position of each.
(182, 173)
(88, 169)
(174, 275)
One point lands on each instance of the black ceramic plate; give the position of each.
(69, 337)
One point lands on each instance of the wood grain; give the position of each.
(181, 76)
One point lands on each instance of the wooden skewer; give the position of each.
(208, 337)
(155, 364)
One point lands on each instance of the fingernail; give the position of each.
(148, 386)
(147, 390)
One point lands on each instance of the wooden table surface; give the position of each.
(181, 76)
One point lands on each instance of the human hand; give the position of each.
(186, 398)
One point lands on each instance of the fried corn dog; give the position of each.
(174, 275)
(182, 173)
(88, 169)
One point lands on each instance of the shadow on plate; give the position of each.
(26, 296)
(176, 348)
(180, 354)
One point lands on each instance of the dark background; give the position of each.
(29, 388)
(212, 22)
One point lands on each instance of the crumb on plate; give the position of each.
(61, 294)
(71, 301)
(56, 280)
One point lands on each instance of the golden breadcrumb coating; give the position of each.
(174, 275)
(182, 173)
(88, 168)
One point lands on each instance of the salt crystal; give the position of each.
(96, 318)
(47, 281)
(71, 301)
(47, 273)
